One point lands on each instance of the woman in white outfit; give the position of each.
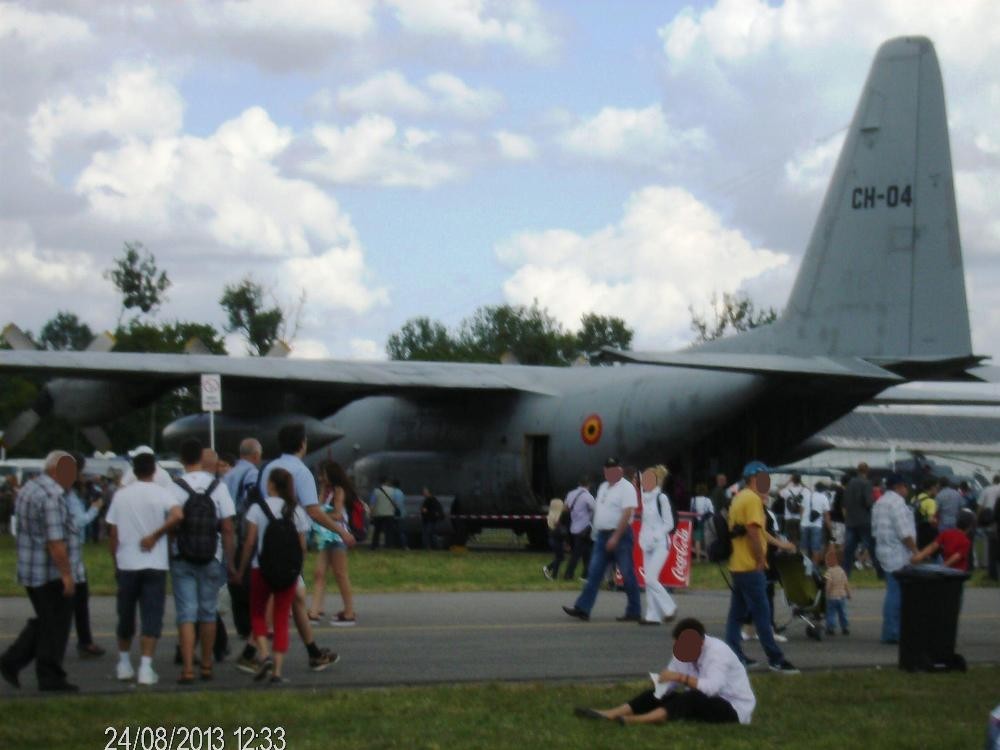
(654, 538)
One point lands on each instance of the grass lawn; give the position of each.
(415, 570)
(873, 709)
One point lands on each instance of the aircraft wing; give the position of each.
(349, 377)
(764, 364)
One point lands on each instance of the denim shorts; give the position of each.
(331, 544)
(148, 590)
(811, 539)
(196, 590)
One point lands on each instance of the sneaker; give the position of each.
(325, 659)
(264, 669)
(779, 638)
(147, 676)
(783, 667)
(577, 613)
(846, 631)
(343, 621)
(546, 572)
(124, 671)
(247, 664)
(628, 618)
(277, 679)
(745, 636)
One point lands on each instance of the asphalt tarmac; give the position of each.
(428, 638)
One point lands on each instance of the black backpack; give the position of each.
(721, 548)
(246, 496)
(198, 536)
(280, 556)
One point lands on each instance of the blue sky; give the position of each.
(396, 158)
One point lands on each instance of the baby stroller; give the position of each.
(805, 591)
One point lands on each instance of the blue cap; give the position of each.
(755, 467)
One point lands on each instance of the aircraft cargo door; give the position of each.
(536, 467)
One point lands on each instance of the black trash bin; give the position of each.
(931, 600)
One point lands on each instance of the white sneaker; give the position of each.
(147, 676)
(125, 671)
(780, 638)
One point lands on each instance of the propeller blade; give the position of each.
(97, 437)
(17, 340)
(19, 427)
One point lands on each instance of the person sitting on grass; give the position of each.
(705, 681)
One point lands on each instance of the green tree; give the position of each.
(423, 339)
(246, 311)
(597, 331)
(529, 333)
(141, 283)
(733, 314)
(65, 331)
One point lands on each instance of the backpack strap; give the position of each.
(577, 496)
(185, 486)
(262, 502)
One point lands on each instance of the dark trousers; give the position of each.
(383, 526)
(239, 595)
(81, 615)
(692, 705)
(992, 548)
(856, 536)
(44, 636)
(580, 551)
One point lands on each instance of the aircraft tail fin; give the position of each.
(882, 276)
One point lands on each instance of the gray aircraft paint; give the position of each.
(879, 300)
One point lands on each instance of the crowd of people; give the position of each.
(244, 524)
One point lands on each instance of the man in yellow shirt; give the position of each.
(747, 564)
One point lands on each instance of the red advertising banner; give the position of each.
(676, 571)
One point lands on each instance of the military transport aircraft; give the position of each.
(879, 300)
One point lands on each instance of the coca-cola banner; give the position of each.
(676, 571)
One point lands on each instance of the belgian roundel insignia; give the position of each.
(591, 429)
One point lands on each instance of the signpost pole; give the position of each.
(211, 401)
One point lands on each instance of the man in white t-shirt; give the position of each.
(616, 501)
(197, 584)
(795, 495)
(139, 518)
(815, 518)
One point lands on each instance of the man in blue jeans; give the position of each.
(895, 543)
(616, 501)
(747, 565)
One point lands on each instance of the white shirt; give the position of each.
(818, 502)
(224, 507)
(611, 501)
(702, 505)
(137, 511)
(160, 477)
(257, 516)
(657, 522)
(798, 491)
(719, 672)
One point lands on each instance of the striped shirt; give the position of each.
(43, 516)
(892, 522)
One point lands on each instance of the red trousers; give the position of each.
(260, 592)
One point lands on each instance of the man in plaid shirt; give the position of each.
(48, 566)
(895, 533)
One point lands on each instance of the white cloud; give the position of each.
(637, 137)
(40, 32)
(366, 349)
(515, 146)
(309, 348)
(374, 152)
(136, 102)
(810, 170)
(24, 265)
(335, 279)
(667, 252)
(348, 18)
(517, 24)
(440, 94)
